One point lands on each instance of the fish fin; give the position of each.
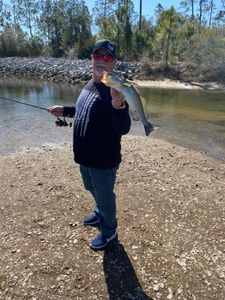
(126, 84)
(132, 82)
(148, 128)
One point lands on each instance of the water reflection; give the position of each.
(190, 118)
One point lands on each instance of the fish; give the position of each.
(131, 96)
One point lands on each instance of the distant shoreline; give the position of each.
(75, 71)
(177, 84)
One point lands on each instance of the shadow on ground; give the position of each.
(120, 277)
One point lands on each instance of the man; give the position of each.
(100, 119)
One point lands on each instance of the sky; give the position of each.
(148, 6)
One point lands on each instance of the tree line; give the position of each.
(64, 28)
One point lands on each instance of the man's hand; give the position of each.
(56, 110)
(117, 98)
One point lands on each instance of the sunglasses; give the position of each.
(104, 57)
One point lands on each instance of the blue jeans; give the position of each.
(101, 184)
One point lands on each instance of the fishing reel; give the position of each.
(59, 122)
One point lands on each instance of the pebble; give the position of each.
(156, 287)
(170, 296)
(134, 247)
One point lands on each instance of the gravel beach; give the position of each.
(171, 213)
(171, 229)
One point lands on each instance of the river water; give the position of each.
(195, 119)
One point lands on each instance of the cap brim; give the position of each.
(102, 48)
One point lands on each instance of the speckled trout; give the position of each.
(131, 95)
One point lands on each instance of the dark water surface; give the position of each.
(190, 118)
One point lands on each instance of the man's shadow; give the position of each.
(121, 280)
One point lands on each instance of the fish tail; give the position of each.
(148, 128)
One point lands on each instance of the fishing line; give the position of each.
(59, 122)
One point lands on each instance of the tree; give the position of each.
(158, 10)
(4, 14)
(142, 41)
(44, 20)
(1, 14)
(211, 7)
(66, 26)
(114, 19)
(124, 17)
(206, 55)
(77, 31)
(25, 12)
(166, 32)
(104, 16)
(7, 42)
(188, 5)
(13, 42)
(202, 9)
(140, 14)
(220, 16)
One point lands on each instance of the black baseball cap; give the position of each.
(107, 45)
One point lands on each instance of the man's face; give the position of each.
(102, 61)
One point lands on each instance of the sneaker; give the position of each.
(101, 241)
(92, 219)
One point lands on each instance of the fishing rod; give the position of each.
(59, 122)
(12, 100)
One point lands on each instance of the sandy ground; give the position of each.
(171, 229)
(177, 84)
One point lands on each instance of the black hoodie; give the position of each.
(98, 127)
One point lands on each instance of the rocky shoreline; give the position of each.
(71, 71)
(76, 71)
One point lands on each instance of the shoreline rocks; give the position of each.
(77, 71)
(71, 71)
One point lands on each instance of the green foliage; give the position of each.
(12, 42)
(166, 33)
(114, 19)
(104, 11)
(25, 13)
(124, 15)
(34, 46)
(62, 28)
(206, 54)
(66, 27)
(4, 14)
(143, 41)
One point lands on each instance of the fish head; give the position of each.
(111, 79)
